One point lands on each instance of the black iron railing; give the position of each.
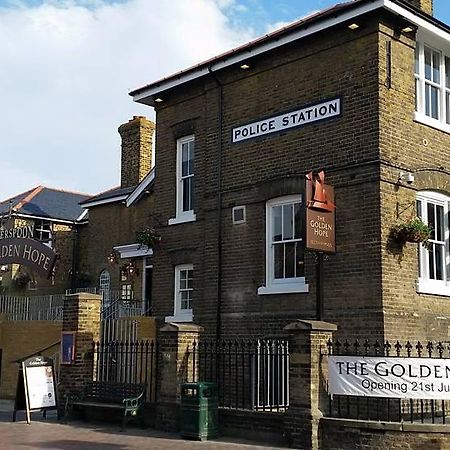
(390, 409)
(132, 362)
(250, 374)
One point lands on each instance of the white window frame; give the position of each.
(43, 234)
(104, 284)
(442, 123)
(180, 315)
(279, 285)
(425, 284)
(180, 215)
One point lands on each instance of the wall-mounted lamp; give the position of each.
(406, 177)
(112, 258)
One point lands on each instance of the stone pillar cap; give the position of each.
(310, 325)
(182, 327)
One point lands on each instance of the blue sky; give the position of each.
(67, 67)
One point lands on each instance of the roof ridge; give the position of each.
(29, 197)
(15, 196)
(67, 191)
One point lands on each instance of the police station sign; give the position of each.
(413, 378)
(288, 120)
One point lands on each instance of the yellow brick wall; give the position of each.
(19, 339)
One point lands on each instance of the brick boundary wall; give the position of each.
(342, 434)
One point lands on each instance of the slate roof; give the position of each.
(45, 202)
(110, 194)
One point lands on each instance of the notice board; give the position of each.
(35, 386)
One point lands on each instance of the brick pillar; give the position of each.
(81, 315)
(424, 5)
(307, 378)
(176, 366)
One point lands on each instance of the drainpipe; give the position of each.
(219, 205)
(73, 278)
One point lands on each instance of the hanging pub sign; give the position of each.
(320, 214)
(35, 386)
(18, 247)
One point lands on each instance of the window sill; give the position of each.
(283, 289)
(182, 219)
(434, 123)
(433, 288)
(180, 317)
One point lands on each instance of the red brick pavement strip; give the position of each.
(51, 435)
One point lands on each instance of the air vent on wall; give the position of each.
(238, 215)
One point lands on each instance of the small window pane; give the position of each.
(428, 63)
(278, 256)
(447, 109)
(434, 102)
(288, 222)
(431, 261)
(419, 209)
(436, 67)
(431, 219)
(184, 160)
(289, 260)
(191, 157)
(300, 257)
(298, 226)
(439, 256)
(440, 223)
(277, 227)
(186, 194)
(447, 72)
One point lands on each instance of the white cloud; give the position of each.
(67, 68)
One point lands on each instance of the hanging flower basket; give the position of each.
(412, 231)
(148, 237)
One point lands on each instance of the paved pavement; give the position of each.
(49, 434)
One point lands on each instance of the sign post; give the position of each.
(320, 228)
(35, 387)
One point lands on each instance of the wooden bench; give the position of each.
(129, 398)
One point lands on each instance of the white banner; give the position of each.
(41, 390)
(292, 119)
(422, 378)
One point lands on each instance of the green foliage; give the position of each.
(412, 231)
(148, 237)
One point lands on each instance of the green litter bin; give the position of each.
(199, 411)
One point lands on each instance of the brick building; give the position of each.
(361, 90)
(109, 257)
(52, 216)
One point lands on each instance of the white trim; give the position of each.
(145, 95)
(185, 317)
(288, 288)
(433, 287)
(133, 251)
(244, 210)
(430, 122)
(136, 194)
(183, 218)
(82, 216)
(282, 285)
(104, 201)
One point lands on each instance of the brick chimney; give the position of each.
(424, 5)
(137, 139)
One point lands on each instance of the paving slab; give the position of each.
(78, 435)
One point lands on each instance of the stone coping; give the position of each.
(310, 325)
(388, 426)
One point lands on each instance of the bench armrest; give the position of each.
(133, 403)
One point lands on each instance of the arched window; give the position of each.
(105, 286)
(434, 259)
(285, 246)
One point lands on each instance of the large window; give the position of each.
(432, 72)
(183, 294)
(285, 247)
(185, 180)
(105, 287)
(434, 259)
